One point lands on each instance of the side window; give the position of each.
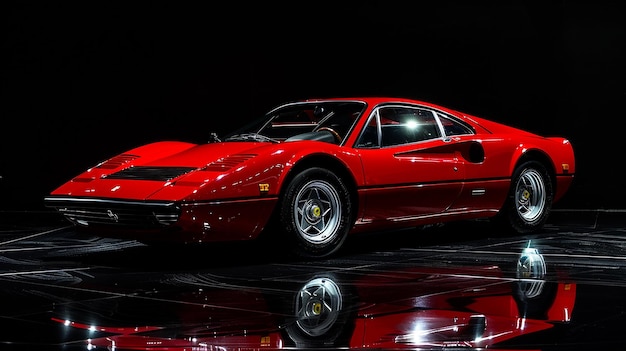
(403, 125)
(453, 127)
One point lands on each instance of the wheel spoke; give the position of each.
(319, 227)
(327, 207)
(327, 306)
(315, 194)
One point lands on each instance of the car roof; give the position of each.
(375, 100)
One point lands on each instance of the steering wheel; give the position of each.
(332, 131)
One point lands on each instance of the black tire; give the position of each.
(315, 213)
(529, 201)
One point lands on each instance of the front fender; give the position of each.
(323, 155)
(265, 174)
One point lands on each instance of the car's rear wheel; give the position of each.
(315, 213)
(529, 202)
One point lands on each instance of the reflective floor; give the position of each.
(455, 286)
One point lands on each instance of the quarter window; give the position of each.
(452, 127)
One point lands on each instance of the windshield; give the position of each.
(298, 118)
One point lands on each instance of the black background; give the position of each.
(83, 81)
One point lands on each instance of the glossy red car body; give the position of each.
(452, 166)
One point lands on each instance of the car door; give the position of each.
(410, 170)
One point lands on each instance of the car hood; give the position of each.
(161, 171)
(203, 155)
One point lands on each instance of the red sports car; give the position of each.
(310, 173)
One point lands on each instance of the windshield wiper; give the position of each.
(250, 137)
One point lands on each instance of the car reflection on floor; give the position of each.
(431, 290)
(416, 307)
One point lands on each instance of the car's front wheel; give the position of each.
(529, 202)
(315, 213)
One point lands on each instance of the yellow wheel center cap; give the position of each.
(317, 308)
(526, 195)
(317, 211)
